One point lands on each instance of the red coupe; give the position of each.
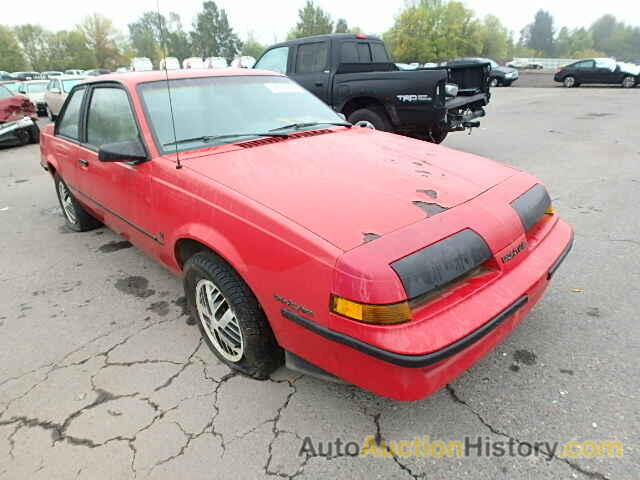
(388, 262)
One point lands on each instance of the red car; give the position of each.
(388, 262)
(17, 119)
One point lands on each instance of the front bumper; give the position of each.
(9, 130)
(409, 377)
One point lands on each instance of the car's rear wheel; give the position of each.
(628, 82)
(569, 81)
(34, 133)
(77, 218)
(374, 118)
(231, 321)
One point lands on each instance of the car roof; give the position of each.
(69, 77)
(329, 36)
(132, 79)
(28, 82)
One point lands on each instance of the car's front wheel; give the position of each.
(77, 218)
(494, 82)
(569, 81)
(231, 321)
(628, 82)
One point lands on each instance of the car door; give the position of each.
(311, 68)
(57, 97)
(585, 71)
(121, 190)
(68, 136)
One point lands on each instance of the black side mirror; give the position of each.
(127, 151)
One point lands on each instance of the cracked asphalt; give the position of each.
(101, 377)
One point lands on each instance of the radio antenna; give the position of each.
(166, 74)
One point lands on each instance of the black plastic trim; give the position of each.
(441, 263)
(532, 205)
(410, 361)
(560, 259)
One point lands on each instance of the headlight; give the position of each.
(376, 314)
(451, 90)
(532, 205)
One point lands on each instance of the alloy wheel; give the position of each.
(365, 124)
(67, 203)
(219, 321)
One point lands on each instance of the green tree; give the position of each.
(12, 58)
(563, 43)
(212, 36)
(178, 43)
(430, 30)
(252, 47)
(341, 26)
(313, 20)
(541, 33)
(495, 38)
(68, 49)
(100, 36)
(602, 30)
(34, 41)
(146, 36)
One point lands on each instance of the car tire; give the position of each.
(214, 292)
(494, 82)
(76, 217)
(372, 117)
(628, 82)
(50, 114)
(34, 133)
(569, 81)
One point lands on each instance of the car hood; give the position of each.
(350, 186)
(504, 69)
(15, 108)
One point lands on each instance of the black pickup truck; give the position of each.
(355, 76)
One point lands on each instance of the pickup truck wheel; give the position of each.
(569, 81)
(628, 82)
(374, 118)
(76, 217)
(230, 318)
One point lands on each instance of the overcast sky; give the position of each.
(271, 20)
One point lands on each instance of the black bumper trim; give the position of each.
(410, 361)
(560, 259)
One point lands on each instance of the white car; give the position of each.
(193, 63)
(170, 63)
(141, 64)
(216, 62)
(244, 61)
(34, 90)
(57, 91)
(73, 71)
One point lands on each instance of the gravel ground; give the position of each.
(101, 377)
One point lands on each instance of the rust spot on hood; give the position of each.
(429, 193)
(429, 208)
(369, 237)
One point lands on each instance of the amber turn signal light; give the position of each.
(375, 314)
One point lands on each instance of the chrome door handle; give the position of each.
(84, 163)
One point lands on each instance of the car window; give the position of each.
(110, 118)
(4, 92)
(36, 87)
(274, 60)
(355, 52)
(584, 64)
(379, 53)
(69, 84)
(68, 124)
(312, 57)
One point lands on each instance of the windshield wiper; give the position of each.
(298, 126)
(209, 138)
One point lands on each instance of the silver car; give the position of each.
(56, 93)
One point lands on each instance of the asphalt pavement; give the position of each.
(101, 377)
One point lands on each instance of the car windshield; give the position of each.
(67, 85)
(210, 107)
(12, 86)
(36, 87)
